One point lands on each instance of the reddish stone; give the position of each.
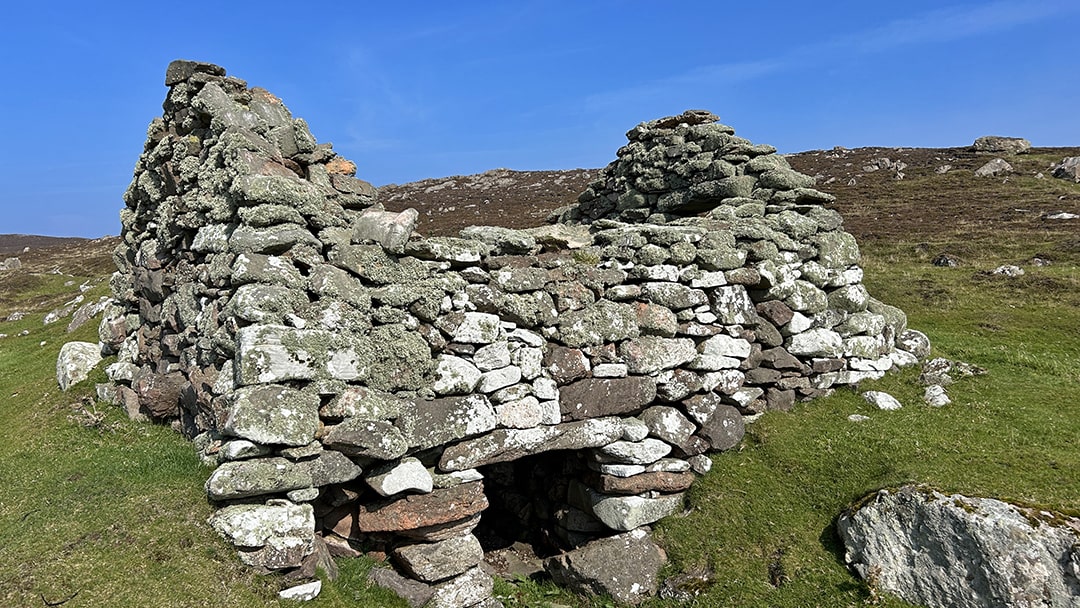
(565, 364)
(775, 311)
(340, 166)
(342, 521)
(422, 510)
(159, 394)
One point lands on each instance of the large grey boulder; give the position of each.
(75, 362)
(1068, 168)
(958, 552)
(994, 168)
(1001, 145)
(626, 567)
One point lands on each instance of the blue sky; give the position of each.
(429, 89)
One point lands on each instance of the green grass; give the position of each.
(115, 511)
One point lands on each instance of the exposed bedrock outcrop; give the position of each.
(959, 552)
(360, 385)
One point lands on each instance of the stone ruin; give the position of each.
(359, 387)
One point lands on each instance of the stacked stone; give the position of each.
(769, 230)
(355, 384)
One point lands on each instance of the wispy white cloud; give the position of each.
(713, 75)
(933, 27)
(952, 23)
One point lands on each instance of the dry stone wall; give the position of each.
(359, 386)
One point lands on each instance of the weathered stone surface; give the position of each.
(440, 532)
(477, 328)
(363, 403)
(604, 321)
(724, 428)
(502, 445)
(276, 353)
(994, 168)
(623, 512)
(330, 467)
(406, 475)
(75, 362)
(158, 394)
(1068, 168)
(595, 397)
(468, 589)
(958, 552)
(565, 365)
(668, 423)
(245, 478)
(498, 379)
(525, 413)
(650, 354)
(882, 401)
(455, 376)
(646, 481)
(626, 567)
(412, 591)
(389, 229)
(673, 295)
(422, 510)
(432, 562)
(503, 241)
(816, 343)
(646, 451)
(427, 424)
(276, 535)
(836, 249)
(732, 305)
(273, 414)
(914, 342)
(999, 144)
(301, 593)
(370, 438)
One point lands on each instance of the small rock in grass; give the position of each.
(882, 401)
(935, 396)
(302, 593)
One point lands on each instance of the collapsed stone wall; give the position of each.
(357, 385)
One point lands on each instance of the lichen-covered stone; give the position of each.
(502, 445)
(997, 554)
(246, 478)
(75, 362)
(432, 562)
(405, 475)
(427, 424)
(273, 415)
(604, 321)
(370, 438)
(276, 535)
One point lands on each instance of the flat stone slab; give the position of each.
(597, 397)
(422, 510)
(503, 445)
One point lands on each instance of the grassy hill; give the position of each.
(100, 511)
